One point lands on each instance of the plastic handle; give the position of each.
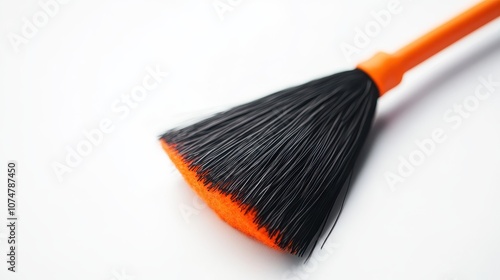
(387, 70)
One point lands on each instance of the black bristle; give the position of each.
(285, 156)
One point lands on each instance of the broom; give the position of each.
(274, 168)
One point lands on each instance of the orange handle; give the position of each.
(387, 70)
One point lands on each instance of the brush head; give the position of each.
(274, 168)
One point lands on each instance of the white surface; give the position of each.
(117, 215)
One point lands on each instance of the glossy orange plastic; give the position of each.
(387, 70)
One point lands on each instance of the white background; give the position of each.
(124, 213)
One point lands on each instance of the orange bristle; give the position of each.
(274, 168)
(228, 210)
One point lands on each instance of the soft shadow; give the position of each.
(425, 90)
(415, 96)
